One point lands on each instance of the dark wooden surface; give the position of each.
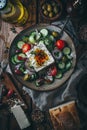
(6, 37)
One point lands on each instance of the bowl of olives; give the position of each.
(51, 10)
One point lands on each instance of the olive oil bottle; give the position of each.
(13, 12)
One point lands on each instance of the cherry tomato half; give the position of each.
(53, 71)
(26, 47)
(60, 44)
(17, 71)
(21, 58)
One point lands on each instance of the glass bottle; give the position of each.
(13, 12)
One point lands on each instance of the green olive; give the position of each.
(49, 8)
(64, 59)
(55, 34)
(51, 14)
(45, 12)
(55, 10)
(44, 6)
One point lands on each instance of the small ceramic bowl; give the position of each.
(51, 10)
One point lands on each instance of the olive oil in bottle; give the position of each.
(13, 12)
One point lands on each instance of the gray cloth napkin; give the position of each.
(67, 92)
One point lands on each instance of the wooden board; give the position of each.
(11, 86)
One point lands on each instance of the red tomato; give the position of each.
(10, 93)
(54, 71)
(60, 44)
(17, 71)
(26, 47)
(21, 58)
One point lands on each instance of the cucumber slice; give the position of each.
(32, 39)
(64, 59)
(41, 42)
(13, 61)
(44, 32)
(51, 38)
(22, 68)
(22, 55)
(38, 36)
(66, 51)
(16, 59)
(47, 42)
(61, 65)
(25, 39)
(59, 75)
(69, 57)
(20, 44)
(68, 65)
(33, 33)
(34, 36)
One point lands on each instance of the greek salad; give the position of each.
(41, 58)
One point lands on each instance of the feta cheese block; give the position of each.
(39, 57)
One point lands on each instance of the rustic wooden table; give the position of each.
(7, 34)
